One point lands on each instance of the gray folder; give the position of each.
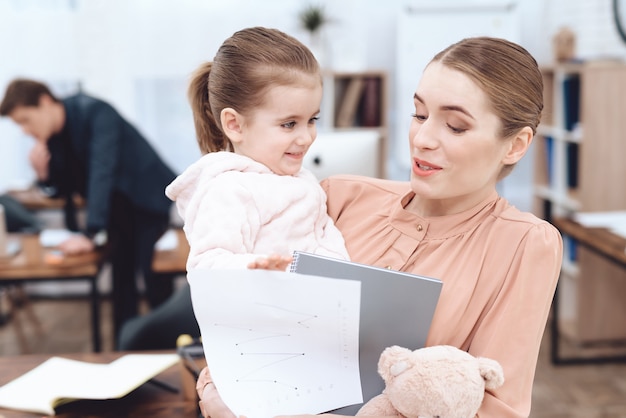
(396, 309)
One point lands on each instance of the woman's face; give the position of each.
(456, 153)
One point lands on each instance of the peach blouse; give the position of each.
(499, 267)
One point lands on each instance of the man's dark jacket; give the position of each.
(98, 153)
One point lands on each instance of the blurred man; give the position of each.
(84, 146)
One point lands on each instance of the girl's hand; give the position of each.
(273, 262)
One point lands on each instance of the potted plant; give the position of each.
(312, 19)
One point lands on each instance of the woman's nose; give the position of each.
(423, 136)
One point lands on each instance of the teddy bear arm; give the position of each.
(378, 405)
(492, 373)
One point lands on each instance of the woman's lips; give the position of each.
(424, 168)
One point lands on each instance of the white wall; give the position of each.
(138, 54)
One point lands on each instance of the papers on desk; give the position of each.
(615, 221)
(54, 237)
(279, 343)
(168, 241)
(60, 380)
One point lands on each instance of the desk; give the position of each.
(145, 401)
(29, 266)
(35, 199)
(172, 262)
(603, 243)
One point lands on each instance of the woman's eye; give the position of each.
(419, 117)
(456, 130)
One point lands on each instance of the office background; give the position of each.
(138, 55)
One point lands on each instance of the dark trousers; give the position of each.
(161, 327)
(132, 235)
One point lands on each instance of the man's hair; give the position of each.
(23, 92)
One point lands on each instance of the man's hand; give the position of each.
(273, 262)
(77, 244)
(39, 158)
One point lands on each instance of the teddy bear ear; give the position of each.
(393, 361)
(492, 372)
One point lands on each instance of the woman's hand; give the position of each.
(211, 404)
(273, 262)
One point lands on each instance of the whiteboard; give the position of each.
(425, 29)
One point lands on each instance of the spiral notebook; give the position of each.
(396, 309)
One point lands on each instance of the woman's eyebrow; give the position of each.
(454, 108)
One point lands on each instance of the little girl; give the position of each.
(248, 202)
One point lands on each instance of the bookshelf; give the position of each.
(578, 167)
(357, 101)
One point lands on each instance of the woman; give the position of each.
(477, 108)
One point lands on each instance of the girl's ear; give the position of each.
(232, 123)
(519, 145)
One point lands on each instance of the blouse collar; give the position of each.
(434, 227)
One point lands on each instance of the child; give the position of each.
(248, 202)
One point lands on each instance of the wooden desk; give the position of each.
(145, 401)
(604, 243)
(172, 262)
(35, 199)
(29, 266)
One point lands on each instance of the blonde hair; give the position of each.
(245, 66)
(509, 76)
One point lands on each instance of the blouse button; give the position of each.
(419, 227)
(388, 267)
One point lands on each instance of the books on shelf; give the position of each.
(571, 101)
(349, 105)
(60, 380)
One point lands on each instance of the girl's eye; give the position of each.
(314, 120)
(289, 125)
(420, 118)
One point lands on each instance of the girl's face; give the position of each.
(279, 132)
(456, 152)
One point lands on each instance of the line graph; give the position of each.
(287, 344)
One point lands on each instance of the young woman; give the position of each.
(477, 107)
(248, 202)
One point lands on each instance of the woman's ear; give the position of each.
(518, 146)
(232, 123)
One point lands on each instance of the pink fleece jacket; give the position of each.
(236, 210)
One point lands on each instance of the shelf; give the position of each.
(560, 134)
(357, 101)
(568, 203)
(579, 151)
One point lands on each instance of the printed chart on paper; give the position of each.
(279, 343)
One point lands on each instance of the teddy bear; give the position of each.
(433, 382)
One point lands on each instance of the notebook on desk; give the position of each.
(396, 309)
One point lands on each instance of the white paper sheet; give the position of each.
(59, 380)
(279, 343)
(168, 241)
(52, 237)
